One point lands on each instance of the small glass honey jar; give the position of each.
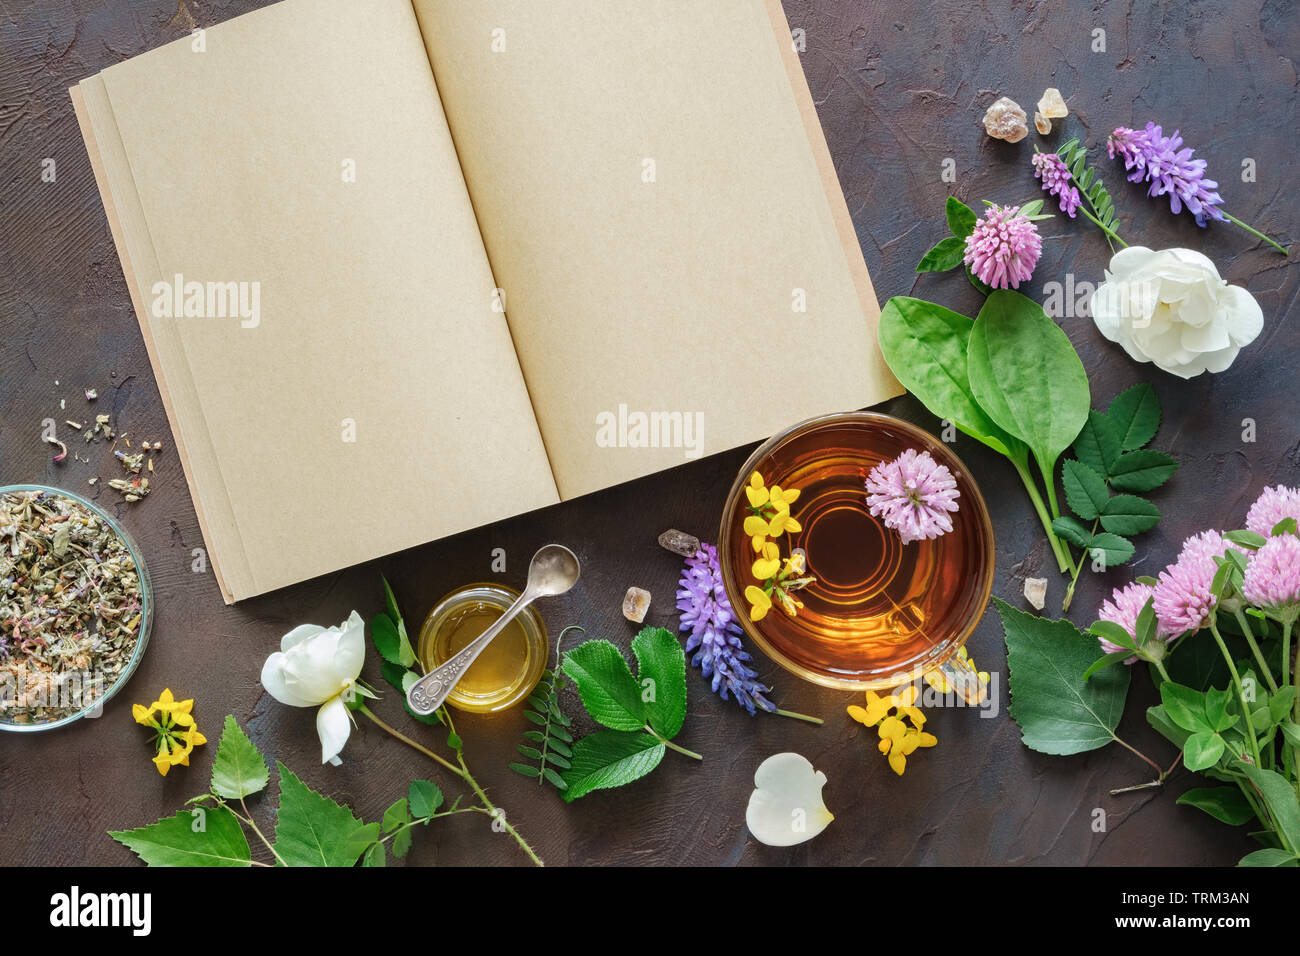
(509, 667)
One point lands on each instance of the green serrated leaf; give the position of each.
(239, 769)
(961, 218)
(605, 683)
(1142, 470)
(424, 798)
(396, 815)
(383, 633)
(1057, 710)
(311, 829)
(1225, 804)
(1109, 549)
(1129, 514)
(610, 758)
(1070, 529)
(1098, 444)
(401, 842)
(376, 855)
(1135, 413)
(175, 841)
(944, 255)
(662, 662)
(1085, 490)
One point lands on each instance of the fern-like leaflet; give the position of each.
(1075, 157)
(549, 745)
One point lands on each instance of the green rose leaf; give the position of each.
(1225, 804)
(390, 643)
(1085, 490)
(925, 347)
(1070, 529)
(1098, 443)
(375, 856)
(1202, 751)
(311, 829)
(424, 798)
(1135, 413)
(1057, 710)
(1142, 470)
(1129, 514)
(238, 770)
(944, 255)
(605, 683)
(1026, 375)
(1279, 797)
(610, 758)
(660, 659)
(1110, 549)
(961, 218)
(396, 815)
(201, 836)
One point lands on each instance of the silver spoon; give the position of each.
(553, 570)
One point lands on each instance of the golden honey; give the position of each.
(508, 668)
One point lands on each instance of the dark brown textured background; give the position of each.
(899, 87)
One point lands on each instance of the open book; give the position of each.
(407, 267)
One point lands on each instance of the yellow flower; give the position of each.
(769, 563)
(782, 522)
(898, 737)
(755, 491)
(759, 602)
(175, 732)
(783, 497)
(940, 683)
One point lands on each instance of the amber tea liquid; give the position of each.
(879, 610)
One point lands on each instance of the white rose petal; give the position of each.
(1173, 309)
(786, 807)
(332, 726)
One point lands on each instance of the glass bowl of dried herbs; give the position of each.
(76, 607)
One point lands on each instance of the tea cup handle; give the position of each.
(963, 678)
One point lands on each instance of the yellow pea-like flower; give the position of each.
(759, 602)
(756, 526)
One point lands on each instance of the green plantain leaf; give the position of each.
(925, 347)
(1026, 375)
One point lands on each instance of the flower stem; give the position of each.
(1110, 233)
(1241, 693)
(1255, 232)
(259, 833)
(463, 772)
(669, 744)
(1062, 556)
(790, 713)
(1254, 649)
(1141, 756)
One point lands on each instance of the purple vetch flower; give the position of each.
(714, 634)
(1003, 248)
(1051, 169)
(1272, 580)
(1167, 165)
(913, 495)
(1274, 504)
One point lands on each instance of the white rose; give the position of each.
(318, 667)
(1171, 308)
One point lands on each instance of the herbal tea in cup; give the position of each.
(878, 612)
